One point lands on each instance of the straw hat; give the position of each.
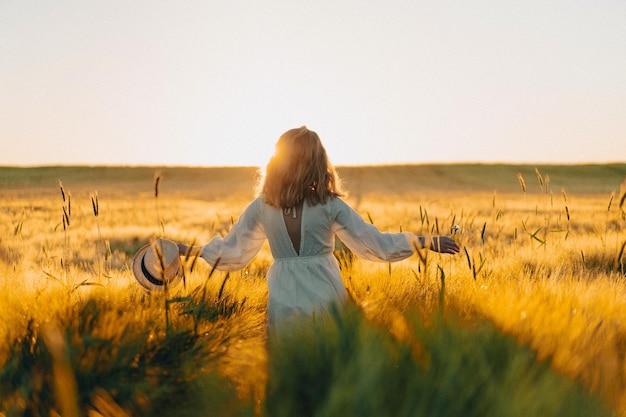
(156, 264)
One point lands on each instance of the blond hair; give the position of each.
(299, 170)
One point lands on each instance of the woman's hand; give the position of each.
(441, 244)
(189, 251)
(182, 249)
(444, 244)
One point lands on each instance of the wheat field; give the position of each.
(542, 262)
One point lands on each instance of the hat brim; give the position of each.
(148, 281)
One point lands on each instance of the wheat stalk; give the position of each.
(157, 182)
(566, 208)
(618, 260)
(521, 181)
(103, 245)
(65, 384)
(540, 179)
(67, 212)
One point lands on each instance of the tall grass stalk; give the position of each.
(103, 247)
(67, 213)
(158, 177)
(65, 386)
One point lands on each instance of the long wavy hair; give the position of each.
(299, 170)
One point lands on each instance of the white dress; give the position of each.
(309, 280)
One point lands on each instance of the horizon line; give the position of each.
(365, 165)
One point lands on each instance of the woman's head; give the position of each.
(299, 170)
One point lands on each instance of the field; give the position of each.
(529, 319)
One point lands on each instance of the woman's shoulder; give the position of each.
(334, 205)
(338, 202)
(260, 205)
(255, 211)
(257, 205)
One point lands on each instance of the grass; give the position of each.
(343, 365)
(528, 319)
(94, 353)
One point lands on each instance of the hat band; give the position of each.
(148, 275)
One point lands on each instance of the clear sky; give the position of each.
(216, 82)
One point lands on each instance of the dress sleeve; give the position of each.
(241, 243)
(366, 241)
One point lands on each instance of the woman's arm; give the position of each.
(368, 242)
(235, 250)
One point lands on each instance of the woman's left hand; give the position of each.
(444, 244)
(182, 249)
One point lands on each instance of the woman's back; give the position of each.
(308, 234)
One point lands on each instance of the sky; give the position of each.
(215, 83)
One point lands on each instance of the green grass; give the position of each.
(93, 349)
(344, 365)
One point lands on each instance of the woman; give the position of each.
(298, 209)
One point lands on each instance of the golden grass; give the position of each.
(557, 285)
(546, 267)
